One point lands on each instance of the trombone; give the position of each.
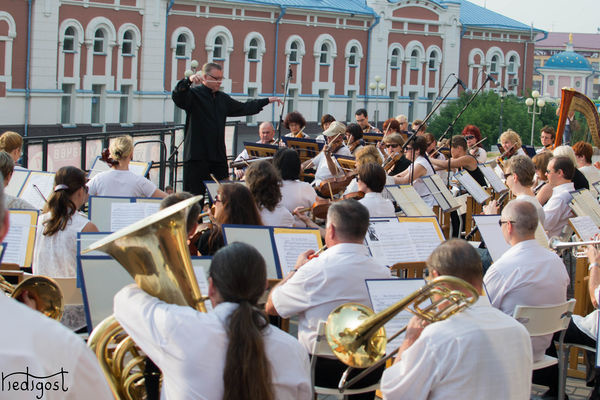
(555, 244)
(356, 334)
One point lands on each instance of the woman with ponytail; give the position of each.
(55, 252)
(119, 180)
(230, 353)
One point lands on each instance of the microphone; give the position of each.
(460, 82)
(290, 72)
(491, 78)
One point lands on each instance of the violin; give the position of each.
(390, 162)
(354, 145)
(200, 229)
(105, 156)
(300, 135)
(320, 207)
(332, 186)
(508, 153)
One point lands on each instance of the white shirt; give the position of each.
(280, 216)
(56, 256)
(557, 209)
(530, 275)
(480, 154)
(190, 347)
(377, 205)
(418, 183)
(322, 170)
(335, 277)
(477, 354)
(538, 207)
(115, 182)
(35, 343)
(297, 194)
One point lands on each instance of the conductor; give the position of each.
(207, 109)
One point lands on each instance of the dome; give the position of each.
(568, 60)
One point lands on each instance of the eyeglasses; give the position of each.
(507, 175)
(500, 222)
(215, 78)
(408, 148)
(469, 137)
(393, 145)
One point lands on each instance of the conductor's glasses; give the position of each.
(217, 79)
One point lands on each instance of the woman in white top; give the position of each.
(295, 122)
(294, 193)
(512, 145)
(420, 167)
(264, 183)
(55, 252)
(371, 181)
(230, 353)
(119, 181)
(583, 155)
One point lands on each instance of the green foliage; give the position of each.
(484, 112)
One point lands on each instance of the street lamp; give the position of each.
(378, 89)
(533, 110)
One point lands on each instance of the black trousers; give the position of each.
(549, 376)
(329, 371)
(195, 172)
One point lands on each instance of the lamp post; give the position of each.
(533, 110)
(378, 88)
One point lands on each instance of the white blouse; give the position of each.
(120, 183)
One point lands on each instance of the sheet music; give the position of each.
(291, 245)
(260, 238)
(492, 178)
(201, 277)
(491, 233)
(409, 201)
(585, 227)
(392, 241)
(16, 182)
(125, 214)
(45, 183)
(139, 167)
(462, 201)
(18, 238)
(586, 204)
(387, 292)
(471, 186)
(436, 193)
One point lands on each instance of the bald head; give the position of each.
(523, 218)
(266, 132)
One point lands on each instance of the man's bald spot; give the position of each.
(266, 125)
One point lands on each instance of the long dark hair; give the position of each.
(287, 161)
(67, 181)
(265, 184)
(239, 273)
(238, 208)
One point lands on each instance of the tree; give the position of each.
(484, 112)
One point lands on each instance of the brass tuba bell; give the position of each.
(45, 292)
(155, 253)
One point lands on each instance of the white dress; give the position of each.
(56, 256)
(120, 183)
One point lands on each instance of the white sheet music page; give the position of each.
(201, 274)
(585, 227)
(435, 191)
(17, 239)
(492, 178)
(125, 214)
(409, 200)
(291, 245)
(45, 183)
(425, 237)
(471, 186)
(441, 185)
(387, 292)
(491, 234)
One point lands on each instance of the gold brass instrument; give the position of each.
(356, 334)
(154, 251)
(45, 291)
(571, 101)
(555, 244)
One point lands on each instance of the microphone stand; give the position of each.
(285, 91)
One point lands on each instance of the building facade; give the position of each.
(83, 65)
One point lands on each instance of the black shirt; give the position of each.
(402, 164)
(206, 115)
(580, 181)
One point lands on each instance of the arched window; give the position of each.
(394, 58)
(324, 55)
(253, 50)
(352, 59)
(218, 47)
(512, 61)
(414, 58)
(494, 64)
(69, 39)
(180, 50)
(294, 51)
(127, 47)
(433, 60)
(99, 42)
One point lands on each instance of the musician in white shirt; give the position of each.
(264, 183)
(325, 164)
(476, 354)
(266, 133)
(316, 287)
(371, 181)
(421, 166)
(560, 174)
(527, 274)
(230, 353)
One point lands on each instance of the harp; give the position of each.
(571, 100)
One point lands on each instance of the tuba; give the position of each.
(46, 292)
(571, 100)
(155, 253)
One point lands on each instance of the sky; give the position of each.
(576, 16)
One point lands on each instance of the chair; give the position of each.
(564, 350)
(545, 320)
(321, 348)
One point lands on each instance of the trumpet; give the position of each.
(555, 244)
(356, 334)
